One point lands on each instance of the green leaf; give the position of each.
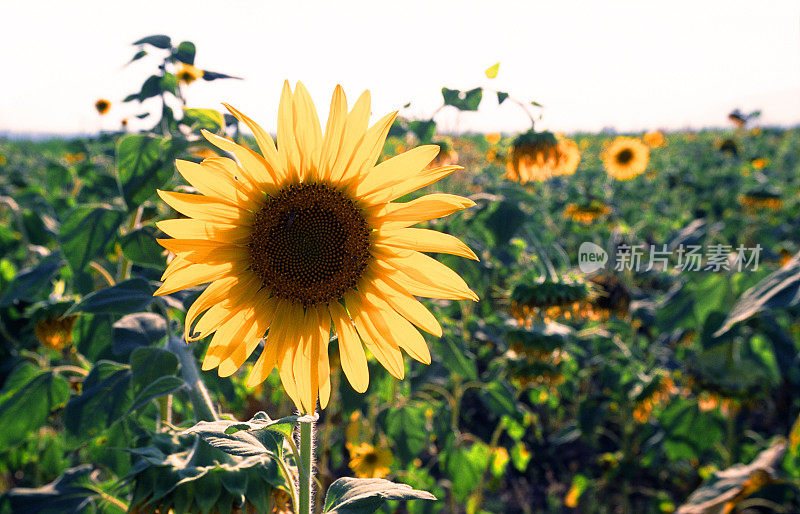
(779, 290)
(259, 436)
(150, 88)
(144, 163)
(185, 52)
(159, 387)
(140, 247)
(138, 330)
(465, 466)
(406, 428)
(86, 232)
(424, 130)
(463, 100)
(169, 84)
(149, 364)
(213, 75)
(93, 336)
(27, 285)
(491, 71)
(123, 298)
(35, 394)
(456, 361)
(158, 41)
(207, 119)
(138, 55)
(105, 399)
(365, 495)
(71, 492)
(501, 97)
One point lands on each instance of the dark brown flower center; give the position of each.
(625, 156)
(310, 244)
(371, 458)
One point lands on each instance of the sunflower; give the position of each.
(305, 238)
(102, 106)
(761, 199)
(569, 156)
(187, 73)
(586, 213)
(533, 156)
(55, 333)
(366, 461)
(653, 139)
(626, 158)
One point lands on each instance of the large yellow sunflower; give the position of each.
(306, 238)
(626, 158)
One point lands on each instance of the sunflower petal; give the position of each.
(252, 165)
(265, 310)
(351, 352)
(205, 208)
(385, 350)
(424, 240)
(287, 146)
(212, 179)
(425, 208)
(265, 144)
(396, 169)
(199, 274)
(395, 328)
(407, 306)
(188, 228)
(354, 128)
(424, 178)
(213, 294)
(333, 132)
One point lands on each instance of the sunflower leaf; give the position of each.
(365, 495)
(132, 295)
(185, 52)
(144, 163)
(86, 232)
(240, 442)
(158, 41)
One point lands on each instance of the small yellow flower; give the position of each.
(626, 158)
(653, 139)
(586, 213)
(493, 138)
(55, 333)
(102, 106)
(366, 461)
(187, 73)
(759, 163)
(73, 158)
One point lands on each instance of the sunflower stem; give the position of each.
(305, 465)
(201, 400)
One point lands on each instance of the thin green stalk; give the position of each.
(304, 466)
(201, 400)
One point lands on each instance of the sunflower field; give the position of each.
(197, 319)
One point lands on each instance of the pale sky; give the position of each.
(631, 65)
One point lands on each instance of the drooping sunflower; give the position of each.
(305, 238)
(366, 461)
(626, 158)
(187, 73)
(533, 157)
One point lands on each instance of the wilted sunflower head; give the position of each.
(306, 238)
(586, 212)
(366, 461)
(102, 106)
(728, 146)
(761, 199)
(533, 156)
(626, 158)
(187, 73)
